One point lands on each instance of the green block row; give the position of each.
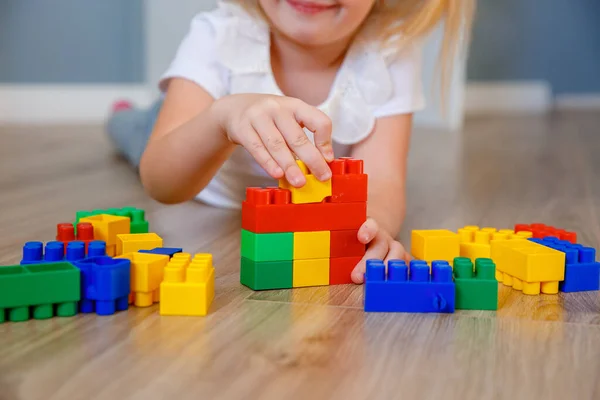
(136, 215)
(267, 246)
(39, 291)
(267, 274)
(476, 288)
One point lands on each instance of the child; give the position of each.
(256, 84)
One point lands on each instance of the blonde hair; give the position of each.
(397, 23)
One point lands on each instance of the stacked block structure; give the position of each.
(298, 237)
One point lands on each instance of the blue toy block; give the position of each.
(105, 284)
(582, 272)
(54, 251)
(409, 289)
(166, 251)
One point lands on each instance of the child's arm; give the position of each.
(385, 154)
(194, 135)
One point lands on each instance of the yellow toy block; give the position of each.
(314, 191)
(107, 227)
(435, 244)
(188, 287)
(311, 245)
(528, 266)
(147, 272)
(310, 272)
(475, 242)
(137, 241)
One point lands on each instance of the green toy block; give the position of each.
(266, 275)
(39, 291)
(475, 290)
(267, 246)
(137, 216)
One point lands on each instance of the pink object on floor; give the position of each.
(122, 105)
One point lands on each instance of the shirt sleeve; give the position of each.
(406, 75)
(196, 59)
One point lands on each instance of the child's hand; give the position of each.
(271, 129)
(380, 245)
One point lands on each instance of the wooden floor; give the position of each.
(314, 343)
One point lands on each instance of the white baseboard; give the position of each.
(68, 104)
(508, 97)
(577, 101)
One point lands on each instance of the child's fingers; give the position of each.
(396, 252)
(317, 122)
(368, 231)
(302, 146)
(278, 149)
(377, 250)
(255, 146)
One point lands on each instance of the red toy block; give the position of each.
(270, 211)
(340, 269)
(348, 182)
(346, 244)
(540, 231)
(66, 233)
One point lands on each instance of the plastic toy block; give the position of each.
(38, 290)
(528, 266)
(105, 285)
(314, 191)
(340, 269)
(430, 245)
(266, 275)
(349, 184)
(138, 223)
(37, 253)
(107, 227)
(270, 211)
(582, 272)
(475, 289)
(188, 288)
(66, 233)
(311, 245)
(409, 289)
(147, 271)
(540, 231)
(133, 242)
(167, 251)
(475, 242)
(311, 272)
(267, 246)
(346, 244)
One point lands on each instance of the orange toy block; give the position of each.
(314, 191)
(107, 227)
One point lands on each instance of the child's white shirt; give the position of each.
(227, 51)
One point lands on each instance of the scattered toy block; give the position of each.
(265, 275)
(527, 266)
(129, 243)
(167, 251)
(349, 184)
(188, 288)
(313, 191)
(313, 272)
(475, 242)
(311, 245)
(582, 271)
(137, 217)
(38, 290)
(540, 231)
(340, 269)
(267, 246)
(54, 251)
(147, 272)
(409, 289)
(436, 244)
(65, 233)
(345, 244)
(107, 227)
(271, 211)
(476, 289)
(105, 285)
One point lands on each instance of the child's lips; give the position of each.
(308, 7)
